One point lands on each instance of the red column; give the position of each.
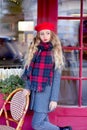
(47, 11)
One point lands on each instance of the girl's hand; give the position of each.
(26, 91)
(52, 105)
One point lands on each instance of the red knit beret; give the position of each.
(45, 25)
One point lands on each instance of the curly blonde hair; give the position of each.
(57, 50)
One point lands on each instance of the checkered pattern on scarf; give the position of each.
(41, 67)
(17, 106)
(2, 127)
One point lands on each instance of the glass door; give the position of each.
(72, 31)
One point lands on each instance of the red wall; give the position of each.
(47, 11)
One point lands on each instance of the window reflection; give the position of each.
(71, 62)
(69, 88)
(85, 7)
(68, 31)
(10, 13)
(68, 92)
(68, 7)
(84, 90)
(85, 39)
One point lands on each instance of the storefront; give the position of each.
(70, 18)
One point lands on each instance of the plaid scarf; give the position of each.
(41, 67)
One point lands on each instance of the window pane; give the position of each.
(85, 39)
(85, 8)
(84, 68)
(11, 12)
(84, 91)
(69, 7)
(71, 63)
(85, 33)
(85, 55)
(68, 94)
(68, 31)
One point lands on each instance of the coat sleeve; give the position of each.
(56, 85)
(26, 79)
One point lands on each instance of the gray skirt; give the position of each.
(40, 100)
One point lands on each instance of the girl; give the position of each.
(43, 64)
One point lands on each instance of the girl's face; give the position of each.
(45, 35)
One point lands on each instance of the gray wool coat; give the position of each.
(40, 100)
